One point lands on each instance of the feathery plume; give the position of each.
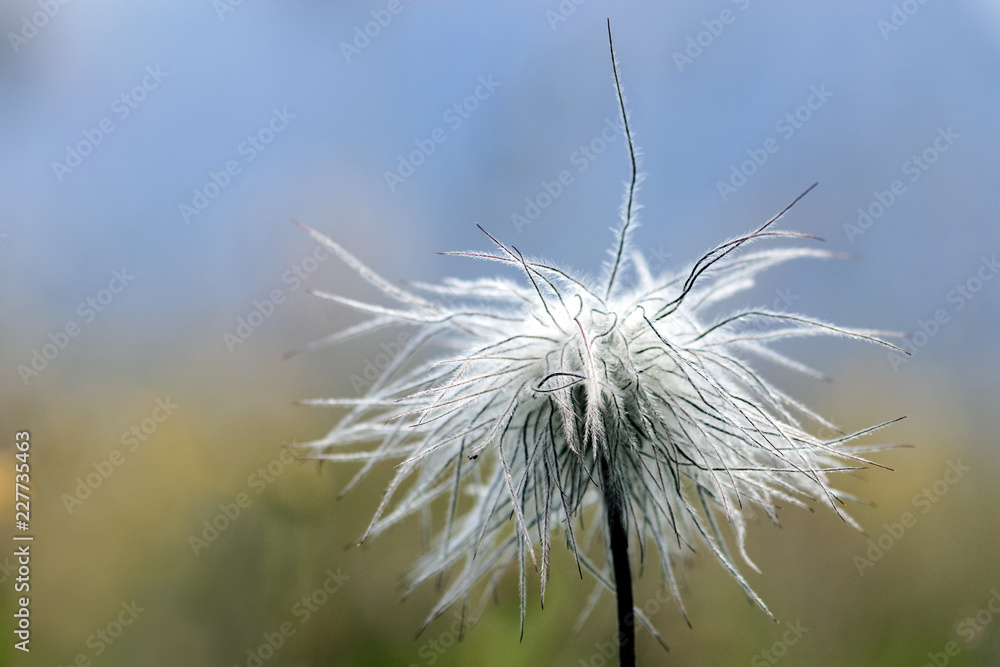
(530, 403)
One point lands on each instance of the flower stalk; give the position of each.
(618, 546)
(525, 404)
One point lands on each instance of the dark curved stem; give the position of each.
(623, 571)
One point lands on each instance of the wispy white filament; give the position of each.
(509, 390)
(511, 393)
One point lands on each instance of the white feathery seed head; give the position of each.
(518, 398)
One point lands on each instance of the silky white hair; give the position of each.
(508, 391)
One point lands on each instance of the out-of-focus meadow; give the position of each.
(165, 410)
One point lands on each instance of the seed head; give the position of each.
(516, 395)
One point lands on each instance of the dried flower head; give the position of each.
(528, 404)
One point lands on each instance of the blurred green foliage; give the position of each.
(131, 540)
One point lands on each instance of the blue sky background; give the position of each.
(352, 120)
